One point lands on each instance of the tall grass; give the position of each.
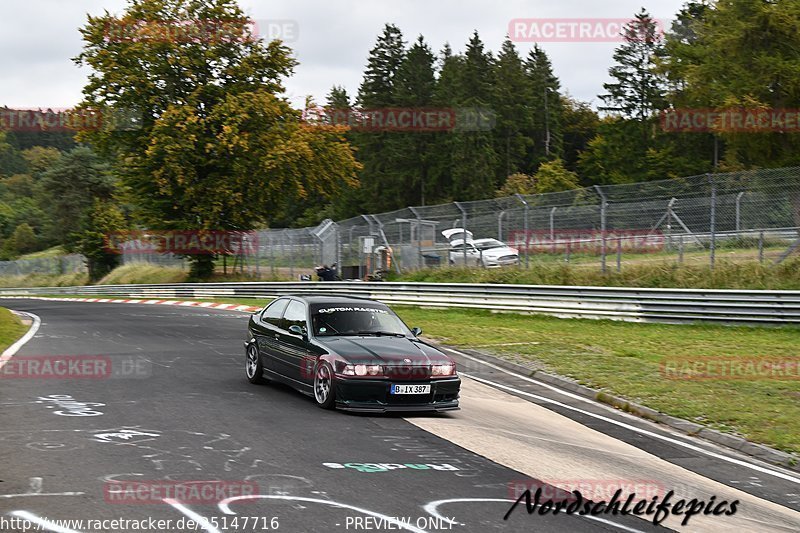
(726, 275)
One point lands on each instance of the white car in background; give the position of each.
(488, 253)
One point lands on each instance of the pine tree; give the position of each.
(474, 160)
(638, 91)
(377, 91)
(545, 99)
(511, 99)
(411, 152)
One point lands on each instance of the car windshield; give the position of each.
(333, 320)
(488, 245)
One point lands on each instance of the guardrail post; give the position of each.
(603, 205)
(525, 231)
(713, 221)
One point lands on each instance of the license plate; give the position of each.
(411, 389)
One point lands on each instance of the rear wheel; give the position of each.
(324, 393)
(253, 366)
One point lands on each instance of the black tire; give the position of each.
(253, 366)
(324, 389)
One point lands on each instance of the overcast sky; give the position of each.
(38, 38)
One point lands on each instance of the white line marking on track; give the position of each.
(14, 348)
(224, 506)
(432, 509)
(630, 427)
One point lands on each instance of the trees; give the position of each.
(545, 125)
(218, 147)
(376, 148)
(511, 101)
(473, 157)
(638, 90)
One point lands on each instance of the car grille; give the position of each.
(408, 372)
(509, 258)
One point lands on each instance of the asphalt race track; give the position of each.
(177, 409)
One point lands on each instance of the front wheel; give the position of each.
(324, 393)
(253, 366)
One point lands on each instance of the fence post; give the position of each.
(713, 221)
(553, 227)
(525, 231)
(761, 247)
(291, 255)
(463, 230)
(738, 211)
(680, 250)
(619, 255)
(271, 255)
(420, 259)
(603, 204)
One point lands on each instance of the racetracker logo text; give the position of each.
(403, 119)
(183, 242)
(731, 368)
(737, 120)
(60, 120)
(575, 30)
(184, 492)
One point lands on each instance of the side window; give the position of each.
(273, 313)
(295, 315)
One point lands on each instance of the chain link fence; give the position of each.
(737, 217)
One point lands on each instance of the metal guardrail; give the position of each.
(614, 303)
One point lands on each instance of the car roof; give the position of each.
(329, 299)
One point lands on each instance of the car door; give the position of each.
(266, 331)
(292, 350)
(473, 256)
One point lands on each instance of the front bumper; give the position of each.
(373, 395)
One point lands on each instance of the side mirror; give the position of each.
(416, 331)
(297, 330)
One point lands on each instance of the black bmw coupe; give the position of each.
(349, 353)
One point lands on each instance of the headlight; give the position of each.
(443, 370)
(362, 370)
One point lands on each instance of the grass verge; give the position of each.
(11, 329)
(726, 275)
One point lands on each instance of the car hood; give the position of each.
(384, 350)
